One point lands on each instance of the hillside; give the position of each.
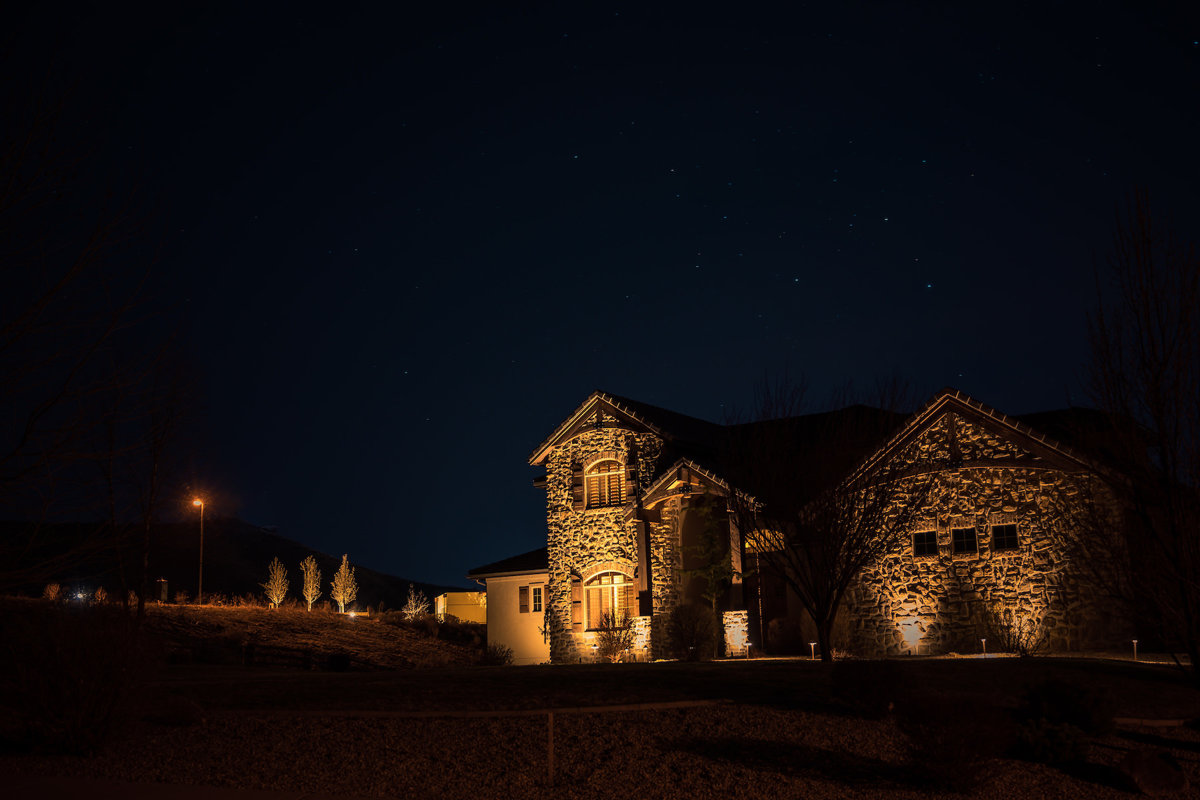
(293, 638)
(236, 555)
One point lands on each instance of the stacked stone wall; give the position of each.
(577, 540)
(946, 601)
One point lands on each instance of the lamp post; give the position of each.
(200, 581)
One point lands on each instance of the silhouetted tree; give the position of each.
(1140, 532)
(807, 505)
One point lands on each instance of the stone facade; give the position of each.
(947, 601)
(579, 540)
(977, 470)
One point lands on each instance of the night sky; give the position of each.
(402, 244)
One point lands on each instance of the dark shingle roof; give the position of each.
(533, 561)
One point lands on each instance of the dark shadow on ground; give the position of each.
(1099, 775)
(1159, 741)
(784, 758)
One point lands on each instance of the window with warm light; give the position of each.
(605, 484)
(537, 599)
(608, 593)
(963, 541)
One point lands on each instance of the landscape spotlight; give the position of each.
(984, 643)
(812, 647)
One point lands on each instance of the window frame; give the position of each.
(931, 543)
(616, 471)
(1008, 547)
(536, 598)
(595, 584)
(954, 541)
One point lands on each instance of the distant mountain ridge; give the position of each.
(236, 557)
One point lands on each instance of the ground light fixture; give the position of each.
(812, 648)
(200, 581)
(984, 643)
(1135, 649)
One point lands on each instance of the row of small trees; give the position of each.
(343, 587)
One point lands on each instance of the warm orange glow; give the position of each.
(197, 502)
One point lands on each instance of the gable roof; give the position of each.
(950, 399)
(669, 425)
(533, 561)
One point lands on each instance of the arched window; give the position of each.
(605, 484)
(609, 593)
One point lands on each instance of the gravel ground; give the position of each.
(712, 751)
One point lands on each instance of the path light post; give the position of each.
(812, 649)
(984, 643)
(1135, 649)
(200, 582)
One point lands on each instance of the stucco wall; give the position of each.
(523, 632)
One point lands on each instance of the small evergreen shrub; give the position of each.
(692, 632)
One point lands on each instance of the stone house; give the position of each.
(631, 488)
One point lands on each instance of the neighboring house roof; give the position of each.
(533, 561)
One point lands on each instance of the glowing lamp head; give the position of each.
(197, 502)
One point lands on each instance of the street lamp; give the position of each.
(200, 582)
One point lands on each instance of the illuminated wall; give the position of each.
(934, 603)
(523, 631)
(580, 540)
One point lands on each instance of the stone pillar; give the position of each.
(737, 633)
(641, 638)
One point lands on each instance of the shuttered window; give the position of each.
(523, 599)
(576, 603)
(608, 593)
(605, 484)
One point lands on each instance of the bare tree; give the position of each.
(277, 582)
(417, 605)
(814, 514)
(312, 580)
(1144, 375)
(67, 296)
(344, 589)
